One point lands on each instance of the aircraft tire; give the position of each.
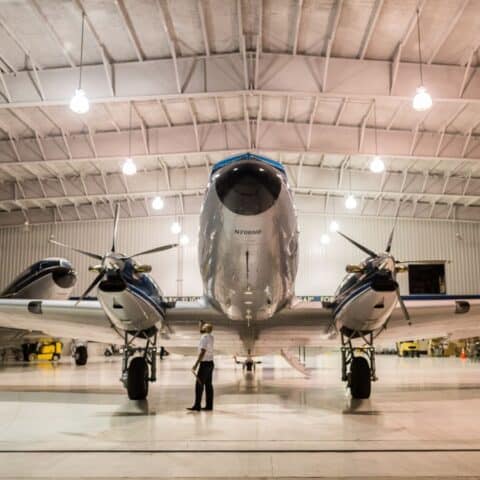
(360, 381)
(137, 380)
(81, 355)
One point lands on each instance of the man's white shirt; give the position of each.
(206, 342)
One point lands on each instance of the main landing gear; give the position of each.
(358, 370)
(80, 353)
(139, 366)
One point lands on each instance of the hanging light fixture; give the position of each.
(350, 201)
(376, 165)
(129, 167)
(334, 226)
(184, 240)
(422, 100)
(158, 203)
(175, 228)
(79, 102)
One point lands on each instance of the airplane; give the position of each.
(49, 279)
(248, 257)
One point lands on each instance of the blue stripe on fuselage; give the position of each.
(247, 156)
(137, 291)
(351, 296)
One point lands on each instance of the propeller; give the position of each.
(102, 269)
(369, 252)
(115, 225)
(372, 254)
(97, 280)
(402, 306)
(83, 252)
(154, 250)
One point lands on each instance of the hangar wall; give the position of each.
(321, 267)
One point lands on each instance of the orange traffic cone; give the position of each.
(463, 355)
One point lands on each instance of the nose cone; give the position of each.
(65, 277)
(248, 187)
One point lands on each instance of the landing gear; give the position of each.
(137, 379)
(138, 371)
(362, 369)
(81, 355)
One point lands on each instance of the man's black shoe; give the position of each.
(193, 409)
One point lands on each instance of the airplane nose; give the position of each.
(64, 277)
(384, 282)
(248, 187)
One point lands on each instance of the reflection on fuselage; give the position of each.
(248, 238)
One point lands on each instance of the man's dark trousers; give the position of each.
(204, 379)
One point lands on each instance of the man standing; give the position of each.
(205, 366)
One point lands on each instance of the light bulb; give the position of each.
(184, 240)
(79, 102)
(422, 100)
(129, 167)
(351, 202)
(334, 226)
(176, 228)
(325, 239)
(157, 203)
(377, 165)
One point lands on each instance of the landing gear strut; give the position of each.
(141, 369)
(362, 369)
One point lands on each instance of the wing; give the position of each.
(451, 317)
(60, 318)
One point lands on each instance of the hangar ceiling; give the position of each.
(298, 80)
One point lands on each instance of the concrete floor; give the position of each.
(75, 422)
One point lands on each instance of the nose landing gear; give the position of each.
(362, 369)
(141, 369)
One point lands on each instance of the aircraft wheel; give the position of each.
(32, 357)
(137, 380)
(360, 380)
(56, 357)
(81, 355)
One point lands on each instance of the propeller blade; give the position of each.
(402, 306)
(154, 250)
(83, 252)
(115, 225)
(98, 278)
(390, 238)
(369, 252)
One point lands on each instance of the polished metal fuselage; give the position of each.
(248, 263)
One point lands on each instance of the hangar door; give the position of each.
(426, 279)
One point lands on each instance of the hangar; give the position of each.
(165, 164)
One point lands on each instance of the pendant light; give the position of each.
(79, 102)
(376, 165)
(129, 167)
(350, 201)
(157, 202)
(422, 100)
